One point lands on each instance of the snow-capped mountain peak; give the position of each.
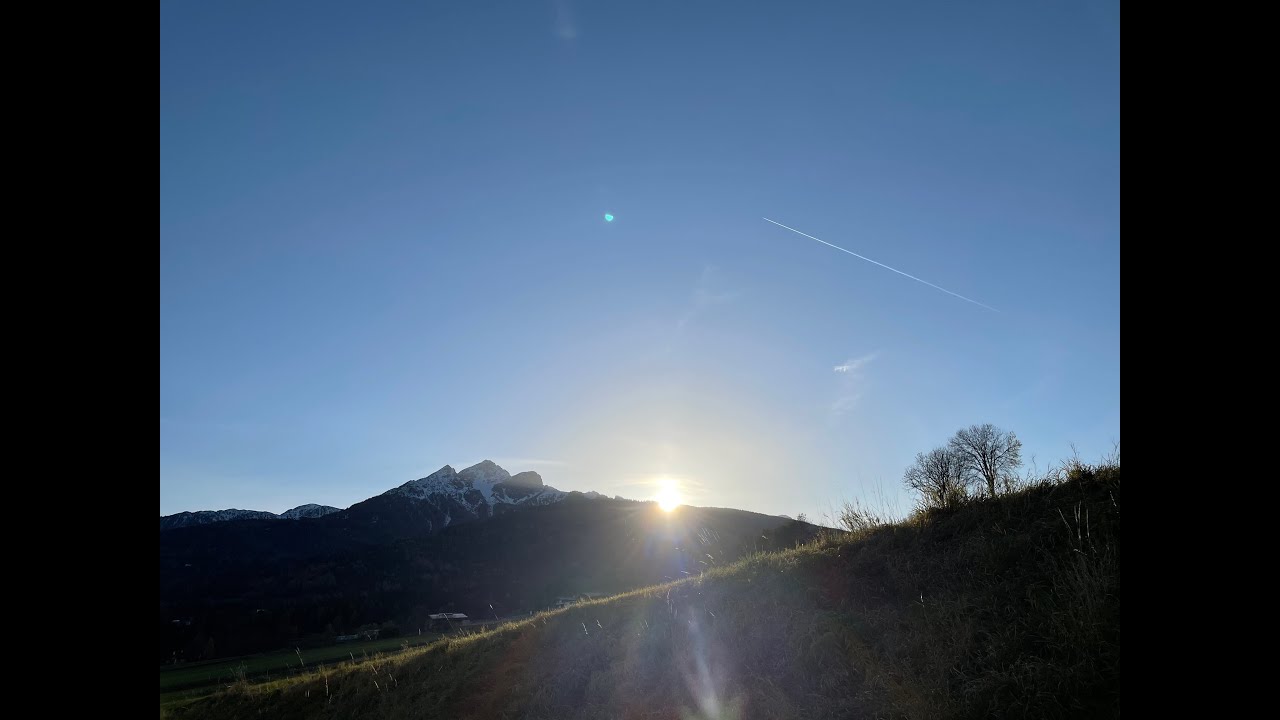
(478, 491)
(445, 497)
(486, 471)
(483, 476)
(443, 480)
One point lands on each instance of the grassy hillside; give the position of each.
(1006, 607)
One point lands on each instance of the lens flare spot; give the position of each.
(608, 217)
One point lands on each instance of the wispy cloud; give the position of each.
(852, 383)
(565, 27)
(853, 365)
(708, 293)
(844, 404)
(517, 464)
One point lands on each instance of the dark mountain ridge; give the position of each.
(204, 517)
(479, 541)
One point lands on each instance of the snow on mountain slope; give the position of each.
(310, 510)
(484, 484)
(444, 497)
(445, 480)
(204, 517)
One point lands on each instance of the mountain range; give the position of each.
(424, 505)
(204, 517)
(479, 541)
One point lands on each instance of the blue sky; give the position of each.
(382, 244)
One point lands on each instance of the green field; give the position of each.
(188, 681)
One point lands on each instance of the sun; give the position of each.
(668, 497)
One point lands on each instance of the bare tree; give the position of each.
(938, 476)
(988, 454)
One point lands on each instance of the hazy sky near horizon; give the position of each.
(383, 246)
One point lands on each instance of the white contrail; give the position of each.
(886, 267)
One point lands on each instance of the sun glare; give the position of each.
(668, 497)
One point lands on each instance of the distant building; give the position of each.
(365, 635)
(448, 616)
(443, 621)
